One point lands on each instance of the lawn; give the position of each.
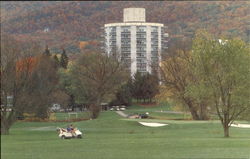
(66, 116)
(157, 112)
(112, 137)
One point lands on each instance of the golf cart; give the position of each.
(64, 134)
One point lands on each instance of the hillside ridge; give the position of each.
(65, 24)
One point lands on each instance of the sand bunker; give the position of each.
(152, 124)
(241, 125)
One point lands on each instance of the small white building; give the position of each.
(135, 42)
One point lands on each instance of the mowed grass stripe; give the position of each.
(111, 137)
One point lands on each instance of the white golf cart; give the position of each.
(64, 134)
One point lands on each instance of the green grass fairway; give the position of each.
(111, 137)
(65, 116)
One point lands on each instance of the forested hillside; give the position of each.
(65, 24)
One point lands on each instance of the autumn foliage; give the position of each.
(68, 23)
(26, 65)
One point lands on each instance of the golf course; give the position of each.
(114, 137)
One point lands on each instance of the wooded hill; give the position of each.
(65, 24)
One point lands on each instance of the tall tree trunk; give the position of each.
(192, 110)
(7, 118)
(194, 113)
(225, 123)
(226, 130)
(95, 108)
(95, 111)
(6, 123)
(72, 102)
(4, 129)
(203, 112)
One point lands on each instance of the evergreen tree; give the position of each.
(123, 96)
(47, 52)
(138, 86)
(144, 86)
(56, 60)
(151, 86)
(64, 60)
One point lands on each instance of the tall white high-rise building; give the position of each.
(135, 42)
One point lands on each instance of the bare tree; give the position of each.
(26, 78)
(14, 74)
(42, 83)
(61, 97)
(96, 77)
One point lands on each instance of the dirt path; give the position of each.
(47, 128)
(121, 113)
(173, 112)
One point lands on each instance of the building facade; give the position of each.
(135, 42)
